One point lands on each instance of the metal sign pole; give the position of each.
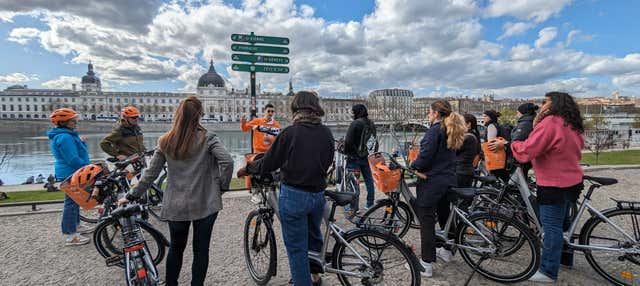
(254, 112)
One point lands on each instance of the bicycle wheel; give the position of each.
(394, 218)
(138, 272)
(621, 266)
(92, 215)
(386, 266)
(260, 251)
(496, 259)
(107, 239)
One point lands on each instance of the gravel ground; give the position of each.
(32, 250)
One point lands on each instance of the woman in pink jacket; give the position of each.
(554, 148)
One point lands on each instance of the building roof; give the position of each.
(90, 77)
(211, 78)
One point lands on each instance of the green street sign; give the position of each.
(260, 49)
(259, 39)
(255, 68)
(260, 59)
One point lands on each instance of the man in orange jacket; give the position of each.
(261, 141)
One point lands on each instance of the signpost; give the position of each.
(252, 58)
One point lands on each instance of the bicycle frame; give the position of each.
(518, 178)
(586, 204)
(458, 213)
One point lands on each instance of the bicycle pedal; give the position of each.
(114, 260)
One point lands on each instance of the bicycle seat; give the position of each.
(464, 193)
(601, 180)
(341, 198)
(486, 179)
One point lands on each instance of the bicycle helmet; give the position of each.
(130, 111)
(62, 115)
(86, 176)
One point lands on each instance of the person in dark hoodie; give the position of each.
(70, 152)
(360, 140)
(303, 152)
(127, 138)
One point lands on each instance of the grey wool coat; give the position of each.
(194, 184)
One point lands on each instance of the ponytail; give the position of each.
(455, 129)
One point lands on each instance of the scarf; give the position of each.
(306, 116)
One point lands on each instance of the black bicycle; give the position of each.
(136, 256)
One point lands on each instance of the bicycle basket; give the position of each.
(385, 178)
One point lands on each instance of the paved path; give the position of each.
(31, 250)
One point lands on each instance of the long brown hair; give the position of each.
(453, 123)
(183, 136)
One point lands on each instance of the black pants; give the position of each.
(427, 218)
(179, 231)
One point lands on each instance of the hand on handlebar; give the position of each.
(242, 172)
(420, 175)
(123, 201)
(122, 157)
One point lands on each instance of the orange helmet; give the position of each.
(86, 176)
(130, 111)
(62, 115)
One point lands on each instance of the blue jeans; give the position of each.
(552, 218)
(362, 164)
(300, 216)
(70, 216)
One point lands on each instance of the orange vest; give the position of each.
(261, 141)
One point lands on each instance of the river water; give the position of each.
(32, 154)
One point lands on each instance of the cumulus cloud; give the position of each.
(417, 45)
(577, 36)
(513, 29)
(17, 77)
(535, 10)
(62, 82)
(545, 36)
(121, 14)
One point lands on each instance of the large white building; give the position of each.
(222, 103)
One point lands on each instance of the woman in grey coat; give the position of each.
(199, 170)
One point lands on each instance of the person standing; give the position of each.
(70, 153)
(127, 138)
(360, 140)
(554, 147)
(303, 152)
(466, 155)
(261, 141)
(436, 170)
(199, 171)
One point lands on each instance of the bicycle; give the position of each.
(480, 236)
(153, 197)
(345, 179)
(135, 257)
(351, 258)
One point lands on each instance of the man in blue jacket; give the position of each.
(70, 152)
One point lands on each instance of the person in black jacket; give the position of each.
(526, 113)
(466, 155)
(303, 152)
(436, 170)
(361, 132)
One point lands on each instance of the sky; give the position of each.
(509, 48)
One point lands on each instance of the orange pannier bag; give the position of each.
(79, 186)
(494, 160)
(385, 179)
(413, 153)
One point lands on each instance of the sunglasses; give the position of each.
(135, 117)
(270, 111)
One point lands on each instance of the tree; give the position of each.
(6, 154)
(508, 116)
(598, 136)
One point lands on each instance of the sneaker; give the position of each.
(83, 229)
(540, 277)
(317, 283)
(76, 239)
(428, 269)
(444, 254)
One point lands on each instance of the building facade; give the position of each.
(390, 105)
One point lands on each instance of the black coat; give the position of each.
(466, 154)
(523, 129)
(439, 164)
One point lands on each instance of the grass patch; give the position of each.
(626, 157)
(43, 195)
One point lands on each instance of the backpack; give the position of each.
(368, 141)
(504, 131)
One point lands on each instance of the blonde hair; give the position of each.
(453, 124)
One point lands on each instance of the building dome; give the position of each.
(17, 86)
(211, 78)
(90, 77)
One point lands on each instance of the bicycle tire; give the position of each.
(392, 242)
(105, 245)
(90, 216)
(256, 220)
(495, 219)
(403, 212)
(586, 238)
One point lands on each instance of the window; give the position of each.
(42, 99)
(73, 100)
(163, 100)
(117, 100)
(35, 107)
(26, 99)
(66, 99)
(11, 106)
(126, 100)
(3, 99)
(11, 99)
(28, 107)
(19, 99)
(4, 107)
(19, 107)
